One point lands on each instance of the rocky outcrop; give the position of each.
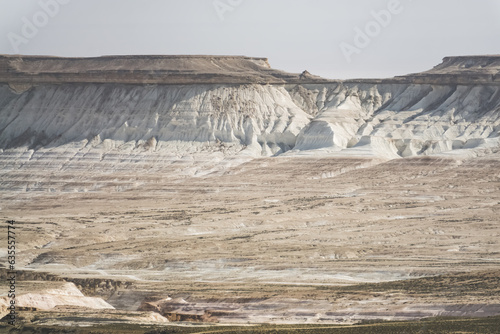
(394, 120)
(204, 114)
(65, 295)
(462, 70)
(22, 71)
(164, 120)
(465, 70)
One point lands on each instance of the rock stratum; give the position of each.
(176, 70)
(50, 107)
(219, 189)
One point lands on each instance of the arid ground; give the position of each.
(279, 240)
(207, 190)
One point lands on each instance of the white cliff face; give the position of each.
(50, 116)
(67, 295)
(395, 120)
(195, 130)
(199, 128)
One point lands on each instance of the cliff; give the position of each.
(19, 70)
(192, 177)
(461, 70)
(23, 71)
(70, 113)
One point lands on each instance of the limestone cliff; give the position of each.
(132, 112)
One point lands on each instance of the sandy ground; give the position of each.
(265, 241)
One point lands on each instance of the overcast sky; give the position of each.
(331, 38)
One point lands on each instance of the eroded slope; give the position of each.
(275, 194)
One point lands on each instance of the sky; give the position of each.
(336, 39)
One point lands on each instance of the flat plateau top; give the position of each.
(205, 69)
(146, 70)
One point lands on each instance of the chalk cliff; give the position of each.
(129, 112)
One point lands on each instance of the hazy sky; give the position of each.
(331, 38)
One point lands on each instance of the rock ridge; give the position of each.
(192, 69)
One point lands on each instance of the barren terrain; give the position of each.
(308, 204)
(269, 240)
